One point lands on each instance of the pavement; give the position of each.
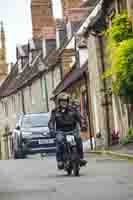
(104, 178)
(119, 150)
(123, 149)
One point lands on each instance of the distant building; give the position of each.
(3, 63)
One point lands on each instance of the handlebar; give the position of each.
(64, 132)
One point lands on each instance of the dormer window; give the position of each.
(32, 44)
(32, 48)
(20, 67)
(30, 58)
(69, 30)
(57, 39)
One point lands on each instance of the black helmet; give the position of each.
(63, 96)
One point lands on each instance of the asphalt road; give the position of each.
(35, 179)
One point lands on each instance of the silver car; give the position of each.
(32, 135)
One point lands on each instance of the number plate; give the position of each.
(47, 141)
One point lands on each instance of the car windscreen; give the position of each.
(35, 121)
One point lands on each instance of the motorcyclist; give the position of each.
(64, 118)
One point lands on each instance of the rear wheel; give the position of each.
(19, 154)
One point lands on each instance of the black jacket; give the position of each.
(64, 120)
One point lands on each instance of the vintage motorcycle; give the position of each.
(71, 156)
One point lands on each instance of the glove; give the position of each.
(52, 133)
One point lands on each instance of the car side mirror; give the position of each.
(18, 127)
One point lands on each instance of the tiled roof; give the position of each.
(16, 81)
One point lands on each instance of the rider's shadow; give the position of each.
(69, 176)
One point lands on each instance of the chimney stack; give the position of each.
(42, 16)
(67, 4)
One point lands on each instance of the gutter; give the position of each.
(91, 19)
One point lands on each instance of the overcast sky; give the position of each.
(16, 16)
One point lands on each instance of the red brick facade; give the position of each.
(68, 4)
(76, 14)
(42, 16)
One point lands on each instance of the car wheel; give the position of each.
(19, 154)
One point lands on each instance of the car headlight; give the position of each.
(26, 134)
(45, 133)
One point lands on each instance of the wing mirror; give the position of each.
(18, 127)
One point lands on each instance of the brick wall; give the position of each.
(42, 16)
(67, 4)
(49, 32)
(76, 14)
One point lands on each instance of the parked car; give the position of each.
(32, 135)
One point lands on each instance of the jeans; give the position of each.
(60, 149)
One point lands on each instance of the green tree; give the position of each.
(120, 46)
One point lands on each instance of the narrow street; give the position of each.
(35, 179)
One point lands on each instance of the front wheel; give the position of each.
(69, 171)
(76, 168)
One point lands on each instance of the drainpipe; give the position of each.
(105, 89)
(61, 70)
(46, 93)
(89, 110)
(23, 105)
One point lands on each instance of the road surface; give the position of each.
(35, 179)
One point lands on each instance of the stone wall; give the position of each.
(96, 84)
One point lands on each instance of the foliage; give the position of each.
(124, 140)
(128, 138)
(120, 46)
(121, 29)
(130, 133)
(122, 67)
